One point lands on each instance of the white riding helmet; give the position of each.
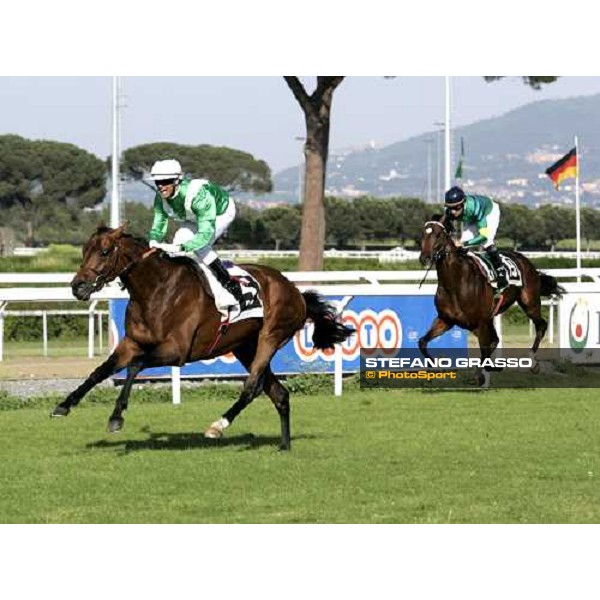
(166, 169)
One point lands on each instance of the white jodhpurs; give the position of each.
(189, 229)
(493, 220)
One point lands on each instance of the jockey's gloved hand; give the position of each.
(172, 249)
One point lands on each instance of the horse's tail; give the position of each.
(329, 329)
(550, 287)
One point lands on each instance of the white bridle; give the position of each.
(429, 223)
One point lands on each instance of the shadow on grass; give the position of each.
(190, 441)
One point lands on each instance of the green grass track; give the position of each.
(397, 456)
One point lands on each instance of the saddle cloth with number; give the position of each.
(226, 303)
(512, 271)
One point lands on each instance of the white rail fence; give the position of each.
(397, 254)
(39, 293)
(346, 284)
(336, 282)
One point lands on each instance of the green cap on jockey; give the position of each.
(165, 170)
(454, 197)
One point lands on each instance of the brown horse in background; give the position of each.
(465, 298)
(171, 319)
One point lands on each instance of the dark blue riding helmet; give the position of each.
(454, 197)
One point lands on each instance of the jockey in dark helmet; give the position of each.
(480, 217)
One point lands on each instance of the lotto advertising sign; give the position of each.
(579, 318)
(386, 322)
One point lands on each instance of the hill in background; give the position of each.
(505, 157)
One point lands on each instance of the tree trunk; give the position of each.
(317, 111)
(29, 239)
(312, 233)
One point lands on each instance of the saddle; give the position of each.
(513, 274)
(224, 301)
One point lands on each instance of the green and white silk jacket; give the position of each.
(196, 200)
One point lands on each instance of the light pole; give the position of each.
(440, 126)
(299, 138)
(447, 132)
(428, 141)
(115, 216)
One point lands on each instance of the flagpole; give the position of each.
(447, 135)
(577, 210)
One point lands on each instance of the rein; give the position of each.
(437, 256)
(134, 262)
(102, 278)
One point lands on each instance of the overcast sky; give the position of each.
(255, 114)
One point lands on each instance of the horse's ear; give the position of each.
(119, 231)
(448, 224)
(437, 217)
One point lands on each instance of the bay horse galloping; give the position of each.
(171, 319)
(465, 298)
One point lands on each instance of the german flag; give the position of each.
(563, 169)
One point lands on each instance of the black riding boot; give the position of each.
(494, 256)
(223, 277)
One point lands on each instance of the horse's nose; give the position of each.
(81, 289)
(425, 259)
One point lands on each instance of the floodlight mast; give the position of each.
(115, 210)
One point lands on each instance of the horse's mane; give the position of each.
(186, 261)
(136, 239)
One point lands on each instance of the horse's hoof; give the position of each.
(483, 380)
(59, 411)
(535, 368)
(213, 433)
(285, 447)
(115, 425)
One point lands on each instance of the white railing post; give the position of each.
(2, 307)
(91, 328)
(45, 331)
(176, 384)
(338, 370)
(338, 357)
(100, 343)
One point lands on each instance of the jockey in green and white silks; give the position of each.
(204, 211)
(480, 217)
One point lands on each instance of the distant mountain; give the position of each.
(505, 157)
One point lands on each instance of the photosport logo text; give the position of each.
(463, 368)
